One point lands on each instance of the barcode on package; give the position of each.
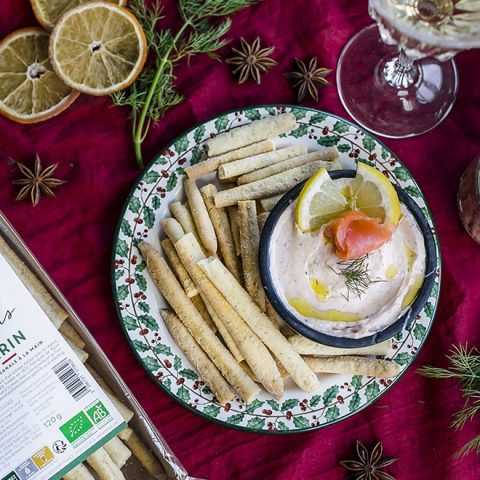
(70, 379)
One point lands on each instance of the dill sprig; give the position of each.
(357, 276)
(153, 93)
(464, 367)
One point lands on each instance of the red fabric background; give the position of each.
(72, 237)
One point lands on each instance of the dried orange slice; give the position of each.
(30, 91)
(48, 12)
(98, 48)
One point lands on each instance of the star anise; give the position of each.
(36, 182)
(251, 60)
(306, 78)
(369, 465)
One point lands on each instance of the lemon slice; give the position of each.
(320, 200)
(47, 12)
(30, 91)
(98, 48)
(372, 193)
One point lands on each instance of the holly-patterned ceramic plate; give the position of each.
(138, 300)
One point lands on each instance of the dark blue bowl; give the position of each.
(294, 322)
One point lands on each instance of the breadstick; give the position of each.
(348, 365)
(249, 240)
(221, 224)
(198, 359)
(172, 229)
(233, 170)
(69, 332)
(193, 321)
(271, 313)
(141, 452)
(117, 451)
(210, 165)
(327, 155)
(267, 187)
(199, 304)
(80, 472)
(305, 346)
(261, 219)
(251, 133)
(81, 354)
(99, 379)
(182, 214)
(179, 269)
(267, 204)
(124, 411)
(103, 466)
(233, 216)
(201, 217)
(256, 354)
(240, 300)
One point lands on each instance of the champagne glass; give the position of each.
(398, 78)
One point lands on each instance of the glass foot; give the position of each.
(417, 103)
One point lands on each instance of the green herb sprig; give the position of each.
(465, 367)
(153, 93)
(357, 276)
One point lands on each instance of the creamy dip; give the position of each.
(306, 273)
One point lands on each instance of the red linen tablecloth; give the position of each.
(72, 237)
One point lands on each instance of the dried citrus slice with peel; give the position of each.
(373, 194)
(98, 48)
(47, 12)
(30, 91)
(320, 200)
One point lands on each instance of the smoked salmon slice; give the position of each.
(355, 234)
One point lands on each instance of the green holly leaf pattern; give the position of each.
(419, 331)
(274, 404)
(398, 337)
(354, 402)
(151, 363)
(221, 123)
(156, 202)
(140, 346)
(372, 391)
(162, 350)
(299, 113)
(141, 282)
(206, 390)
(332, 413)
(357, 382)
(118, 274)
(134, 205)
(167, 383)
(328, 140)
(401, 174)
(211, 410)
(171, 182)
(403, 358)
(256, 422)
(196, 155)
(301, 422)
(161, 160)
(183, 394)
(144, 306)
(344, 147)
(428, 309)
(330, 395)
(181, 145)
(149, 217)
(126, 228)
(315, 400)
(252, 115)
(148, 321)
(368, 143)
(180, 171)
(122, 292)
(281, 426)
(289, 404)
(300, 131)
(151, 176)
(199, 133)
(317, 118)
(385, 153)
(251, 407)
(177, 363)
(235, 419)
(130, 323)
(271, 110)
(188, 373)
(412, 191)
(340, 127)
(122, 248)
(141, 266)
(435, 289)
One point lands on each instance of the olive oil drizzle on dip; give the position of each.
(311, 287)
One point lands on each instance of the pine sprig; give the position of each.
(153, 93)
(464, 367)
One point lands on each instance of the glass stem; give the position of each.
(400, 72)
